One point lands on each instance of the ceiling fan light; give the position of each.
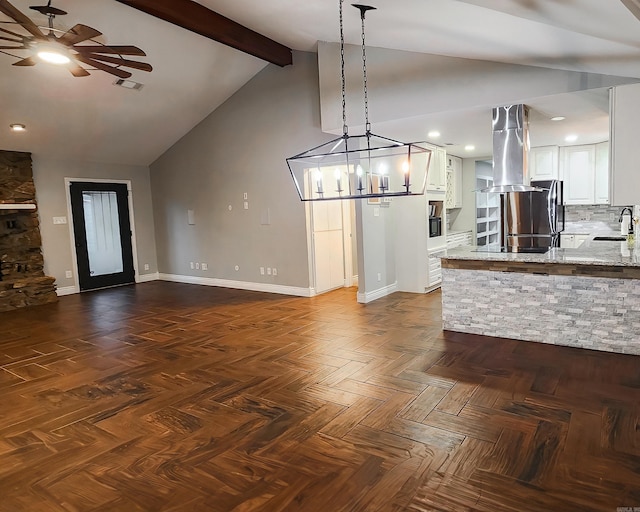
(53, 56)
(18, 127)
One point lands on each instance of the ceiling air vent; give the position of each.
(128, 84)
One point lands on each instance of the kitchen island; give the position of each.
(587, 297)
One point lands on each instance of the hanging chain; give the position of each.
(345, 129)
(364, 77)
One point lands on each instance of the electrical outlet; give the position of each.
(246, 205)
(59, 220)
(379, 276)
(205, 266)
(146, 266)
(261, 271)
(274, 271)
(197, 266)
(68, 274)
(191, 265)
(268, 271)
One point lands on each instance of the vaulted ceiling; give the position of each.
(91, 119)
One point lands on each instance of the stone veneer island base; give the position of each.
(585, 298)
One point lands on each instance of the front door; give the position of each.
(102, 232)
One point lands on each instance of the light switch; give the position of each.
(376, 212)
(246, 205)
(191, 217)
(245, 196)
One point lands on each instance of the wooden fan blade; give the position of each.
(120, 73)
(120, 50)
(143, 66)
(20, 36)
(13, 47)
(29, 61)
(23, 20)
(77, 70)
(633, 6)
(12, 40)
(77, 34)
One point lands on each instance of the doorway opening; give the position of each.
(332, 244)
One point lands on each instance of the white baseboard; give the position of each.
(364, 298)
(145, 278)
(66, 290)
(239, 285)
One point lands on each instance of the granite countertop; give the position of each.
(591, 252)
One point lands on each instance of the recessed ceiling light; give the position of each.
(469, 147)
(434, 134)
(571, 138)
(558, 118)
(17, 127)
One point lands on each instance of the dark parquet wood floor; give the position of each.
(171, 397)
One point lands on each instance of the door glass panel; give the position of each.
(103, 232)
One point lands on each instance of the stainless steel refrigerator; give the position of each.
(533, 221)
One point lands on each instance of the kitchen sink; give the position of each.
(611, 238)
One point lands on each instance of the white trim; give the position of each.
(145, 278)
(364, 298)
(66, 290)
(239, 285)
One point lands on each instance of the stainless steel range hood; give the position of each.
(510, 150)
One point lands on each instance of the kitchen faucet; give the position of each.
(625, 209)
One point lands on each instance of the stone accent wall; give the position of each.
(22, 279)
(585, 312)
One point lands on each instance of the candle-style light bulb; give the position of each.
(319, 187)
(336, 174)
(359, 173)
(406, 169)
(384, 179)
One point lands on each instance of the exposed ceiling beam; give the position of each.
(197, 18)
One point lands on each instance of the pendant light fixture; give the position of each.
(360, 166)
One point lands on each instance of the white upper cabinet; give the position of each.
(543, 163)
(585, 172)
(625, 112)
(437, 175)
(454, 182)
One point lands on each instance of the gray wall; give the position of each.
(376, 246)
(241, 148)
(51, 195)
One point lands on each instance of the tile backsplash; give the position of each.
(596, 213)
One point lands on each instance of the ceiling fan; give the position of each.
(68, 48)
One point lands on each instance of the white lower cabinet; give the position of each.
(572, 241)
(434, 276)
